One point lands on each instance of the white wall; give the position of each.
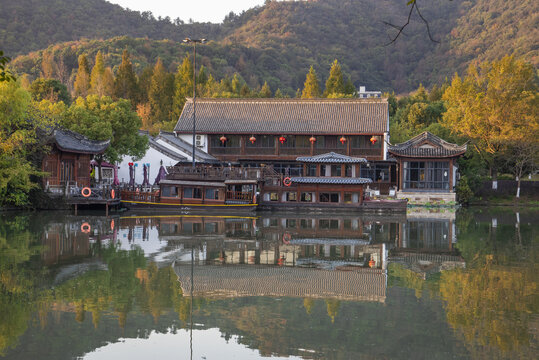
(188, 138)
(153, 157)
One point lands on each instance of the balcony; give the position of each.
(259, 151)
(225, 150)
(366, 152)
(295, 151)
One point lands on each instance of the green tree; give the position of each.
(236, 84)
(160, 94)
(18, 141)
(49, 89)
(5, 75)
(101, 78)
(101, 118)
(183, 87)
(495, 105)
(82, 79)
(125, 84)
(311, 87)
(335, 81)
(144, 81)
(349, 88)
(265, 91)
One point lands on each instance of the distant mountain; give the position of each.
(279, 41)
(28, 25)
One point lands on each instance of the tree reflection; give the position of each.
(494, 302)
(17, 281)
(492, 306)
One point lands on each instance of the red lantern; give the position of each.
(312, 139)
(223, 139)
(373, 139)
(282, 139)
(342, 140)
(252, 139)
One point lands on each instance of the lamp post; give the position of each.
(194, 42)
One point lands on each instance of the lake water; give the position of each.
(426, 285)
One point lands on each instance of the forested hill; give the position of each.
(279, 41)
(28, 25)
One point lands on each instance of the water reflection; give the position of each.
(325, 286)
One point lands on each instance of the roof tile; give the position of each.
(286, 116)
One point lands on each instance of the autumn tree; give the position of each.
(335, 81)
(183, 87)
(47, 65)
(82, 79)
(144, 81)
(101, 78)
(265, 91)
(49, 89)
(311, 88)
(496, 106)
(125, 84)
(160, 94)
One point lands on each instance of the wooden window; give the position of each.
(66, 171)
(290, 142)
(274, 196)
(306, 197)
(329, 197)
(306, 224)
(192, 193)
(336, 170)
(326, 224)
(291, 196)
(212, 194)
(169, 191)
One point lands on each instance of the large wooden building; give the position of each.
(251, 132)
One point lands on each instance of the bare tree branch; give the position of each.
(426, 24)
(400, 29)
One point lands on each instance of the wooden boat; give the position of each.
(239, 189)
(200, 189)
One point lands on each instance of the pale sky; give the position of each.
(199, 10)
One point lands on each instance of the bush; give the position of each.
(464, 192)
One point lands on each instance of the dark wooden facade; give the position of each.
(238, 148)
(68, 163)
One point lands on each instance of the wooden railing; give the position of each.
(366, 152)
(239, 195)
(210, 173)
(139, 196)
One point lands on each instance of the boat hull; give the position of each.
(189, 208)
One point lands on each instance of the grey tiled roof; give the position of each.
(331, 158)
(221, 281)
(166, 151)
(73, 142)
(285, 116)
(426, 145)
(184, 146)
(331, 180)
